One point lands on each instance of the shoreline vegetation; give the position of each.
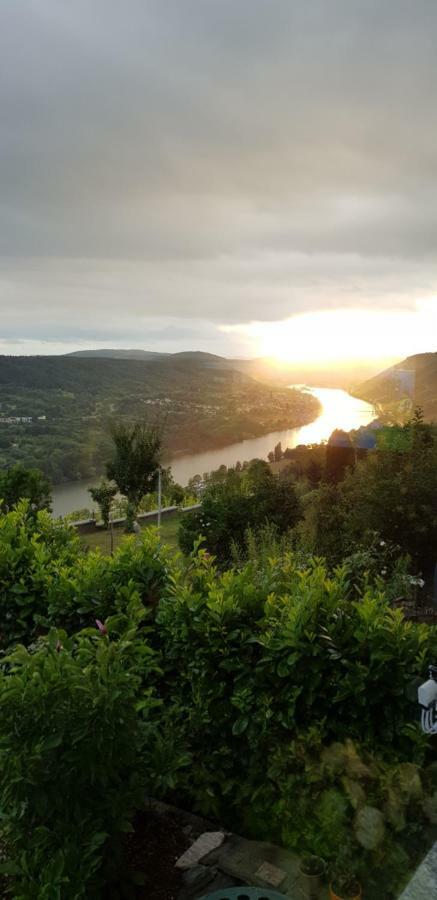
(55, 411)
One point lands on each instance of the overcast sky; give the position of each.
(174, 171)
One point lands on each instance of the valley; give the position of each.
(55, 411)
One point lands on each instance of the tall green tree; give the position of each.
(135, 464)
(18, 483)
(103, 495)
(394, 492)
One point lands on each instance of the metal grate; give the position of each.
(244, 893)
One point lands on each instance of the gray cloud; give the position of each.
(213, 160)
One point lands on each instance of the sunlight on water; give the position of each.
(339, 410)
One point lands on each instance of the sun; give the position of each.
(345, 337)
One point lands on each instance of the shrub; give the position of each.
(236, 502)
(255, 657)
(73, 733)
(17, 483)
(33, 552)
(97, 586)
(46, 578)
(294, 704)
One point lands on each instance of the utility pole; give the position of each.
(159, 496)
(111, 525)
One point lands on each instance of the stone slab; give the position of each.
(423, 885)
(271, 875)
(207, 842)
(243, 859)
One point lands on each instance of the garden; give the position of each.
(274, 696)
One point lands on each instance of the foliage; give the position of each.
(74, 730)
(238, 501)
(135, 463)
(340, 455)
(322, 531)
(295, 647)
(47, 579)
(294, 704)
(104, 495)
(17, 483)
(34, 550)
(393, 492)
(284, 690)
(379, 564)
(97, 586)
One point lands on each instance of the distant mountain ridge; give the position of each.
(144, 355)
(108, 353)
(414, 380)
(261, 368)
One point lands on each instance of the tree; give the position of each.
(135, 463)
(322, 532)
(103, 495)
(278, 452)
(314, 473)
(19, 483)
(177, 494)
(394, 492)
(232, 504)
(340, 455)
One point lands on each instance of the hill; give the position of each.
(54, 410)
(146, 355)
(403, 387)
(263, 369)
(108, 353)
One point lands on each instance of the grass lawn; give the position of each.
(102, 539)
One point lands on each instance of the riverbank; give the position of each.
(338, 409)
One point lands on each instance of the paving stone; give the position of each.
(270, 874)
(204, 844)
(198, 875)
(423, 885)
(196, 881)
(243, 859)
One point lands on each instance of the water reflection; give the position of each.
(339, 410)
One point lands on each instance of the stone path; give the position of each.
(218, 860)
(423, 885)
(235, 861)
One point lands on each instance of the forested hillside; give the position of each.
(54, 411)
(411, 383)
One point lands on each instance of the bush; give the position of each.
(268, 667)
(46, 578)
(74, 728)
(97, 586)
(393, 493)
(34, 550)
(283, 684)
(236, 502)
(257, 656)
(17, 483)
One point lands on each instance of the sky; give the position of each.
(244, 177)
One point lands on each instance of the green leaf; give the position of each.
(240, 726)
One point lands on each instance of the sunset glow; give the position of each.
(345, 336)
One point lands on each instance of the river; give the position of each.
(339, 410)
